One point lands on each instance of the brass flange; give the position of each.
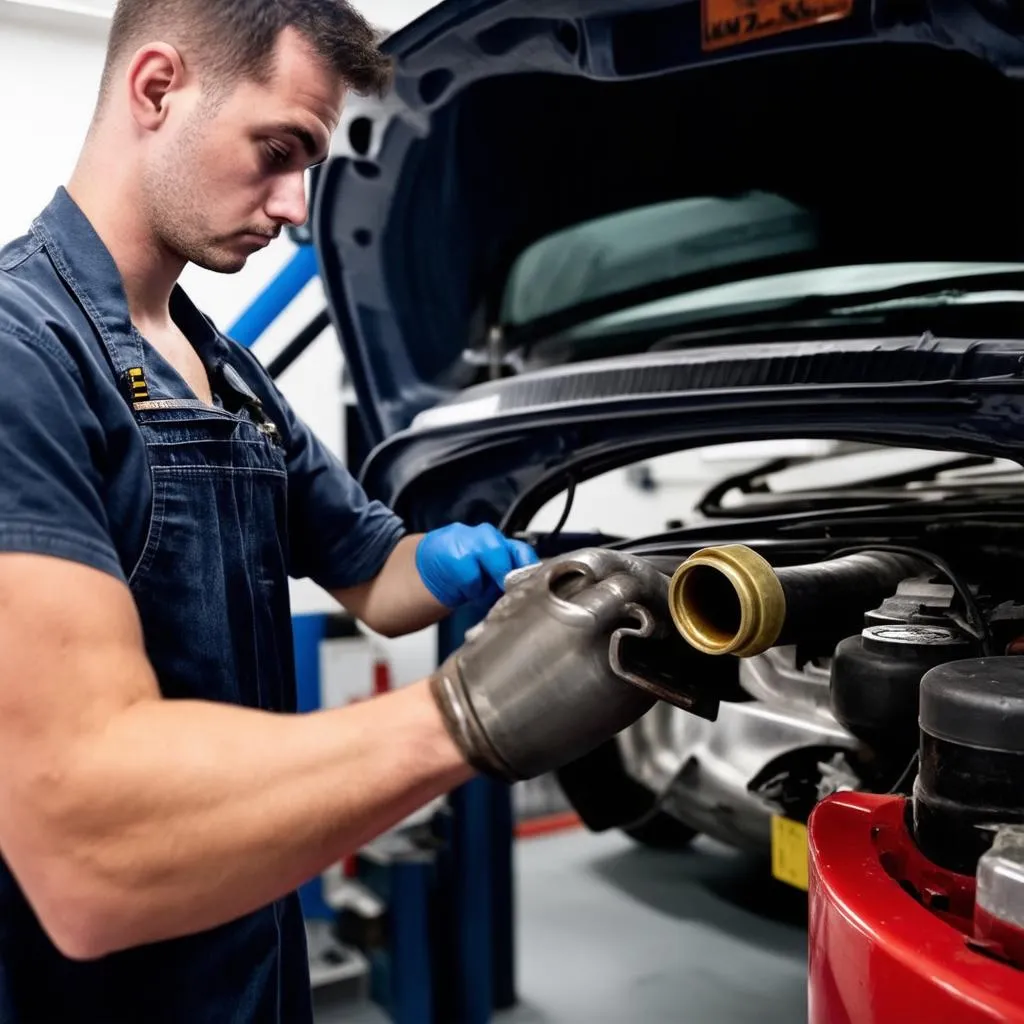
(727, 600)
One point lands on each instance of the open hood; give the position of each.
(857, 131)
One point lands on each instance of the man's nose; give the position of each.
(287, 203)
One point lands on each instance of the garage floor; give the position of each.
(609, 933)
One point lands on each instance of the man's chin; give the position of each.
(222, 262)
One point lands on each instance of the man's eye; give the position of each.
(276, 156)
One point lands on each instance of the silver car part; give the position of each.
(701, 770)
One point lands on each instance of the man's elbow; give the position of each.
(369, 613)
(80, 939)
(385, 628)
(79, 927)
(74, 887)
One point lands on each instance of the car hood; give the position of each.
(513, 119)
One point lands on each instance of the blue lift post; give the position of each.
(482, 931)
(461, 901)
(308, 632)
(402, 874)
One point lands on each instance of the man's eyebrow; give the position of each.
(309, 143)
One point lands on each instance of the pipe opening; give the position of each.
(569, 582)
(713, 602)
(728, 600)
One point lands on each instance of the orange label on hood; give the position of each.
(731, 22)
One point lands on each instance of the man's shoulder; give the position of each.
(20, 282)
(24, 284)
(36, 309)
(17, 251)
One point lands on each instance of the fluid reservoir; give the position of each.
(877, 674)
(971, 775)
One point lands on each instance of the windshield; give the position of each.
(625, 251)
(750, 259)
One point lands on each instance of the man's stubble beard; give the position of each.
(177, 217)
(176, 208)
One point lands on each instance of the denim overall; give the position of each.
(211, 585)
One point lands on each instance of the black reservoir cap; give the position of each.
(977, 703)
(905, 639)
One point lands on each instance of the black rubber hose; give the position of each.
(826, 600)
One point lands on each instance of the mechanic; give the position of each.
(158, 807)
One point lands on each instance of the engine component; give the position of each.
(707, 774)
(791, 782)
(1006, 624)
(876, 678)
(781, 678)
(999, 899)
(920, 600)
(586, 639)
(836, 777)
(730, 600)
(971, 772)
(925, 601)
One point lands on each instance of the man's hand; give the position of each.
(462, 564)
(537, 684)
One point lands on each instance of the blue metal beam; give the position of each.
(276, 297)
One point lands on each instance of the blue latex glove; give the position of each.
(462, 564)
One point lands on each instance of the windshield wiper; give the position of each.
(875, 305)
(805, 308)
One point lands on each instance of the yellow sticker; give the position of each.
(789, 852)
(135, 378)
(731, 22)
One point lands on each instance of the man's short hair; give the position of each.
(235, 39)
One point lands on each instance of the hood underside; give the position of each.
(513, 120)
(502, 450)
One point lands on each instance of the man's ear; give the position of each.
(156, 72)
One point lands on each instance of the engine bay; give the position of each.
(815, 636)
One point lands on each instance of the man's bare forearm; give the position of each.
(179, 816)
(429, 575)
(396, 602)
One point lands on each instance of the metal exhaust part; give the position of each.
(729, 600)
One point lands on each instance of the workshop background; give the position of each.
(606, 930)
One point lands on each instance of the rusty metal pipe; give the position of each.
(729, 600)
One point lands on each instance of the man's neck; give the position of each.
(110, 200)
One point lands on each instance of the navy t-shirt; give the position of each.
(74, 476)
